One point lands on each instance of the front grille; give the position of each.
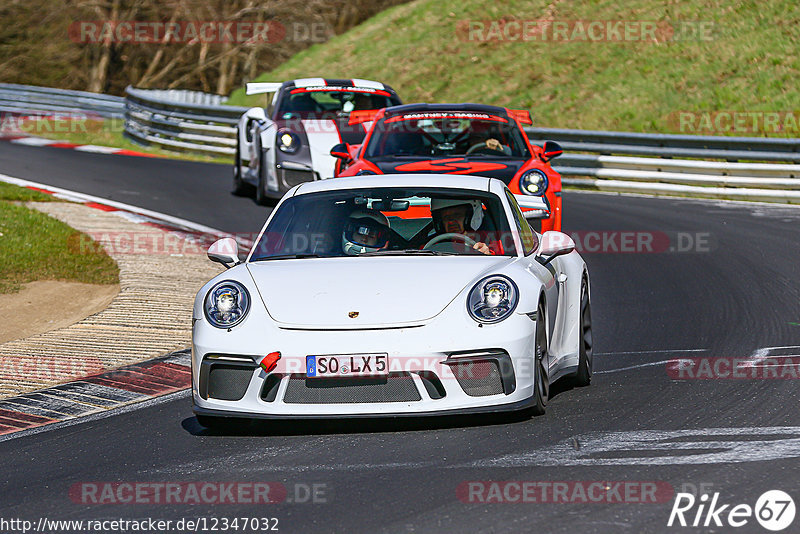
(478, 378)
(229, 381)
(397, 387)
(291, 178)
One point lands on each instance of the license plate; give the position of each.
(347, 365)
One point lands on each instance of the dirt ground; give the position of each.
(48, 304)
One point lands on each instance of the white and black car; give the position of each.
(289, 141)
(392, 296)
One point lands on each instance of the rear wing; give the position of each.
(522, 115)
(257, 88)
(362, 115)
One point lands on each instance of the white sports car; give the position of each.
(290, 141)
(391, 296)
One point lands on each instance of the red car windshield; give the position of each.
(447, 134)
(331, 101)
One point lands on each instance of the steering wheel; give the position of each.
(484, 146)
(450, 236)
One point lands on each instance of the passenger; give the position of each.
(366, 230)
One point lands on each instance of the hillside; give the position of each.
(745, 60)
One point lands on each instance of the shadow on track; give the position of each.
(365, 425)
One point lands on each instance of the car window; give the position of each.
(429, 221)
(530, 242)
(478, 135)
(328, 101)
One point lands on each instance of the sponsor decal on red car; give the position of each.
(451, 166)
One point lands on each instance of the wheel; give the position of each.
(239, 186)
(584, 374)
(542, 384)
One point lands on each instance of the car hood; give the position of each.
(385, 291)
(502, 168)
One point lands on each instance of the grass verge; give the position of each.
(34, 246)
(743, 57)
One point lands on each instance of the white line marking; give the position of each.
(161, 217)
(648, 352)
(650, 364)
(34, 141)
(673, 447)
(129, 407)
(97, 149)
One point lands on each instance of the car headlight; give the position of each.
(533, 182)
(227, 304)
(492, 299)
(288, 141)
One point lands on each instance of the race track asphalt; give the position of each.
(732, 295)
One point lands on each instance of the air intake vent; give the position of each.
(478, 378)
(397, 387)
(228, 380)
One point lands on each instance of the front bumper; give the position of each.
(435, 370)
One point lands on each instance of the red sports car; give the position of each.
(456, 139)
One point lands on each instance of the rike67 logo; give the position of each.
(774, 510)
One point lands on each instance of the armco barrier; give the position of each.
(32, 100)
(610, 161)
(190, 121)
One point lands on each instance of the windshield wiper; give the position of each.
(409, 252)
(288, 257)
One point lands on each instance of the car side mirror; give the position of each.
(551, 150)
(224, 251)
(552, 245)
(256, 113)
(341, 151)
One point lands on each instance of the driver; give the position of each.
(455, 216)
(366, 230)
(478, 140)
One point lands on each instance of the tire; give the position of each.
(239, 186)
(541, 387)
(583, 376)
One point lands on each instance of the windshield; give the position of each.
(331, 101)
(387, 221)
(447, 134)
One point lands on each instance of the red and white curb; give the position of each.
(29, 140)
(96, 394)
(134, 214)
